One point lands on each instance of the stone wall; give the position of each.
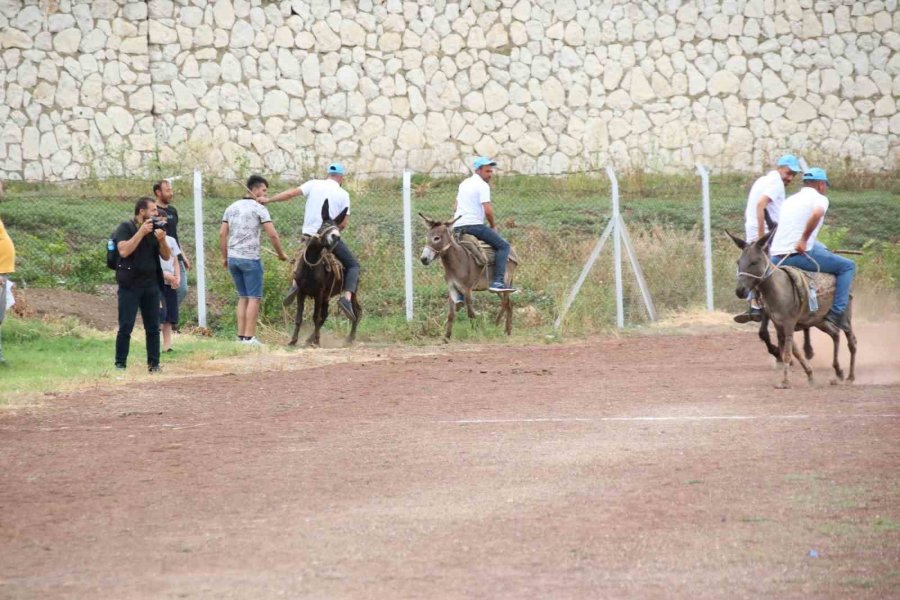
(546, 87)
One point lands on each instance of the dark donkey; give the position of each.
(787, 306)
(462, 273)
(318, 274)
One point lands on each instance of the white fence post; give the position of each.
(199, 254)
(617, 248)
(407, 241)
(707, 237)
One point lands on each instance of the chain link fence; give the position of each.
(60, 234)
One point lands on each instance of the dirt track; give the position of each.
(651, 467)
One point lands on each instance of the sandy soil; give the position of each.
(647, 466)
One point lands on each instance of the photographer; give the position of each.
(140, 244)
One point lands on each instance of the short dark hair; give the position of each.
(157, 187)
(142, 203)
(255, 180)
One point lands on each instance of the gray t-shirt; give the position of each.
(245, 218)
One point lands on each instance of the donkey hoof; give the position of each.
(834, 381)
(783, 386)
(292, 343)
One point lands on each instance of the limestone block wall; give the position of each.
(546, 87)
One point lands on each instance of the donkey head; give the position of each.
(329, 233)
(753, 266)
(438, 239)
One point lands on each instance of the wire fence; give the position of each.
(553, 223)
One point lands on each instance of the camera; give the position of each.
(158, 223)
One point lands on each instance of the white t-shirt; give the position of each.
(795, 214)
(769, 185)
(474, 192)
(316, 192)
(168, 266)
(245, 218)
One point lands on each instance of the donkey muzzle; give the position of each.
(428, 255)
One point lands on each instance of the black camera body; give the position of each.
(158, 223)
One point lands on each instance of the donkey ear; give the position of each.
(340, 218)
(765, 241)
(429, 222)
(326, 216)
(450, 223)
(737, 241)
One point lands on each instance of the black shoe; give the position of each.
(839, 320)
(347, 308)
(154, 369)
(120, 367)
(753, 314)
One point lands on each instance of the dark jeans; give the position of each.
(146, 299)
(351, 266)
(843, 268)
(493, 239)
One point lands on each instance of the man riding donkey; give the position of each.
(762, 214)
(473, 206)
(794, 243)
(317, 191)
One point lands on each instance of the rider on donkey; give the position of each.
(794, 243)
(473, 205)
(762, 212)
(316, 192)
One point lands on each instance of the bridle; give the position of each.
(320, 235)
(449, 244)
(772, 267)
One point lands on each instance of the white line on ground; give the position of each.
(676, 418)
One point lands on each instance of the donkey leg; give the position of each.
(451, 314)
(851, 343)
(357, 310)
(807, 345)
(470, 310)
(806, 368)
(766, 339)
(508, 302)
(298, 318)
(313, 339)
(835, 334)
(786, 332)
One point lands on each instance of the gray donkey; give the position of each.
(462, 273)
(786, 303)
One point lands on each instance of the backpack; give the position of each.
(112, 249)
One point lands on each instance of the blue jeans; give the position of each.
(493, 239)
(247, 274)
(182, 286)
(843, 268)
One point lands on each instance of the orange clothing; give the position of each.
(7, 252)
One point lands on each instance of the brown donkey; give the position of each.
(318, 274)
(462, 273)
(786, 304)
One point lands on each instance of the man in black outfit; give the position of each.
(162, 190)
(140, 244)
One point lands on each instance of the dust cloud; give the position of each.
(878, 351)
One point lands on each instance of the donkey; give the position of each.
(318, 274)
(786, 305)
(462, 273)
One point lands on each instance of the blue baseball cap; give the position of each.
(790, 161)
(815, 174)
(336, 169)
(483, 161)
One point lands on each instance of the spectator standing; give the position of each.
(7, 266)
(140, 243)
(239, 245)
(164, 194)
(168, 314)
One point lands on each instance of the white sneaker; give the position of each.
(252, 342)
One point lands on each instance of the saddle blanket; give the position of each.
(481, 251)
(824, 283)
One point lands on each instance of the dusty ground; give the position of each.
(651, 467)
